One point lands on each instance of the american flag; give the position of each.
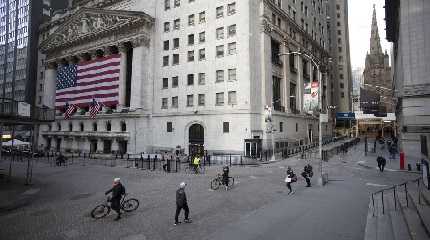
(70, 109)
(95, 108)
(79, 84)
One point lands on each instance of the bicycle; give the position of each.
(102, 210)
(190, 169)
(218, 181)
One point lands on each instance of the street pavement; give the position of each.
(258, 207)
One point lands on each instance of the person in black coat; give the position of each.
(225, 172)
(291, 177)
(307, 174)
(181, 203)
(381, 163)
(118, 190)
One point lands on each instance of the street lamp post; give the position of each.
(320, 179)
(269, 120)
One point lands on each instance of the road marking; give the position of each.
(31, 191)
(253, 177)
(376, 185)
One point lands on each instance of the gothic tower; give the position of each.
(377, 74)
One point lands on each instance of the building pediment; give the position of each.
(88, 24)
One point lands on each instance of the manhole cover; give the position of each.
(81, 196)
(40, 212)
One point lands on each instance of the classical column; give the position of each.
(286, 71)
(100, 144)
(141, 87)
(86, 147)
(50, 84)
(122, 48)
(300, 84)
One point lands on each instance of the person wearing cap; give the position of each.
(181, 203)
(117, 190)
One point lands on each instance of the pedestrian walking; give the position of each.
(225, 172)
(181, 203)
(290, 178)
(117, 190)
(381, 163)
(307, 174)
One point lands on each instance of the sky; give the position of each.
(360, 21)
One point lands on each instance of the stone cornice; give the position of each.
(87, 134)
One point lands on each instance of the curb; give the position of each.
(391, 170)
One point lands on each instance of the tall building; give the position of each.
(407, 28)
(193, 74)
(357, 83)
(339, 44)
(377, 72)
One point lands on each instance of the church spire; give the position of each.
(375, 43)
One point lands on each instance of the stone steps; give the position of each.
(400, 218)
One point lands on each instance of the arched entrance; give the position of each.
(196, 139)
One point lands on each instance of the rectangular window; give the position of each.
(175, 43)
(340, 76)
(297, 127)
(190, 56)
(190, 100)
(177, 3)
(220, 12)
(231, 8)
(175, 59)
(202, 37)
(202, 54)
(165, 83)
(165, 61)
(220, 51)
(175, 102)
(232, 74)
(219, 76)
(232, 30)
(191, 20)
(342, 85)
(281, 126)
(342, 94)
(166, 27)
(220, 99)
(202, 78)
(177, 24)
(232, 98)
(225, 127)
(220, 33)
(201, 99)
(164, 103)
(202, 17)
(191, 39)
(166, 5)
(175, 81)
(166, 45)
(232, 48)
(169, 127)
(293, 97)
(190, 79)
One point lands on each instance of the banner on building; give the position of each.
(311, 97)
(79, 84)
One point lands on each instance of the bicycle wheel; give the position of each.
(130, 205)
(230, 182)
(100, 211)
(215, 184)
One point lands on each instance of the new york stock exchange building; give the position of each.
(168, 74)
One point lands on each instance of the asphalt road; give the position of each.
(258, 207)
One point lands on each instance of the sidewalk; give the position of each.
(369, 161)
(15, 194)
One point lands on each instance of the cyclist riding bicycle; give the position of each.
(225, 171)
(196, 163)
(117, 190)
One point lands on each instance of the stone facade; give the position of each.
(206, 64)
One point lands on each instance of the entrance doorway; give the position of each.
(196, 135)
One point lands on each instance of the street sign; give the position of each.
(345, 115)
(324, 118)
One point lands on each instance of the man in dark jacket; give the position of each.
(307, 174)
(117, 191)
(225, 171)
(381, 163)
(181, 203)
